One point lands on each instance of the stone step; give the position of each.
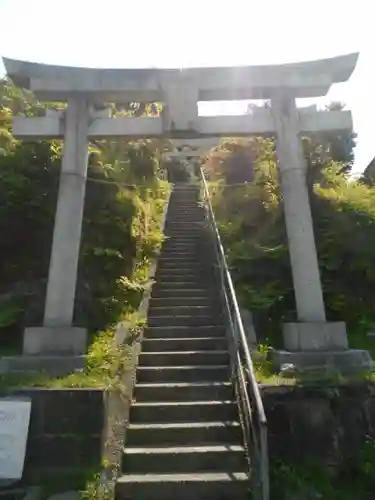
(184, 199)
(168, 302)
(202, 486)
(185, 218)
(198, 391)
(180, 189)
(184, 239)
(194, 433)
(188, 280)
(172, 275)
(191, 243)
(186, 204)
(181, 186)
(191, 209)
(181, 257)
(194, 218)
(180, 459)
(181, 229)
(186, 208)
(180, 266)
(184, 223)
(162, 332)
(184, 358)
(209, 320)
(183, 235)
(178, 287)
(185, 191)
(181, 275)
(173, 244)
(170, 259)
(183, 265)
(180, 252)
(176, 291)
(177, 195)
(168, 238)
(180, 193)
(184, 344)
(181, 196)
(168, 243)
(191, 212)
(191, 411)
(167, 256)
(186, 373)
(155, 310)
(181, 200)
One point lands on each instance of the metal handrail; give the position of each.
(254, 421)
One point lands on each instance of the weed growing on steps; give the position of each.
(98, 487)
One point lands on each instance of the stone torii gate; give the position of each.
(190, 151)
(180, 91)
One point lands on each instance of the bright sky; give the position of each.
(167, 33)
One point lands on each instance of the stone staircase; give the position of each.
(184, 440)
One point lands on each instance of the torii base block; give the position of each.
(56, 351)
(62, 341)
(311, 346)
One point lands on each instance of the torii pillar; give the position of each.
(312, 341)
(58, 335)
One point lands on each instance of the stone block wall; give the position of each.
(327, 424)
(66, 429)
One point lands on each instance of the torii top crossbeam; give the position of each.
(180, 91)
(304, 79)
